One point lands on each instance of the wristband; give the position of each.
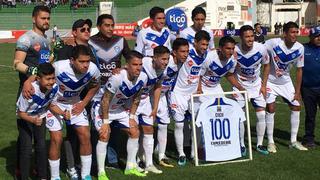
(105, 121)
(32, 70)
(132, 116)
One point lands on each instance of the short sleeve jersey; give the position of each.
(169, 75)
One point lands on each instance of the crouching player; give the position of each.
(117, 92)
(72, 76)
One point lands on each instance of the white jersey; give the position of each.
(121, 88)
(39, 102)
(283, 59)
(169, 75)
(189, 74)
(249, 64)
(189, 34)
(220, 121)
(71, 84)
(214, 69)
(148, 39)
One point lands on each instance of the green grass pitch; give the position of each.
(285, 164)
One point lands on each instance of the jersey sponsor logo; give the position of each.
(109, 66)
(195, 70)
(214, 79)
(70, 93)
(44, 56)
(247, 71)
(160, 40)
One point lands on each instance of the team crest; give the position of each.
(116, 49)
(85, 80)
(255, 58)
(293, 55)
(50, 122)
(190, 63)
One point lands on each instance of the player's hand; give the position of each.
(263, 91)
(116, 71)
(77, 108)
(66, 115)
(297, 96)
(153, 114)
(104, 130)
(37, 121)
(27, 90)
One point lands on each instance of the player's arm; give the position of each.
(18, 65)
(105, 102)
(233, 81)
(199, 89)
(297, 94)
(139, 42)
(156, 95)
(266, 70)
(31, 119)
(135, 104)
(56, 110)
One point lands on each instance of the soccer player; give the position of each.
(186, 84)
(118, 90)
(72, 77)
(285, 53)
(146, 113)
(32, 49)
(178, 56)
(30, 113)
(311, 84)
(251, 56)
(155, 35)
(198, 16)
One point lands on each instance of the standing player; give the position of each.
(72, 77)
(155, 35)
(250, 56)
(186, 84)
(285, 53)
(198, 17)
(179, 55)
(32, 49)
(114, 94)
(154, 68)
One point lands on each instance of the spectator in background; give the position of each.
(276, 29)
(311, 84)
(258, 33)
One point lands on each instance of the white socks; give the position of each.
(132, 149)
(148, 148)
(270, 126)
(86, 165)
(178, 134)
(162, 140)
(101, 151)
(260, 126)
(295, 120)
(54, 169)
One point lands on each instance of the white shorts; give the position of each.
(212, 90)
(55, 122)
(179, 104)
(256, 98)
(143, 112)
(286, 91)
(121, 116)
(163, 110)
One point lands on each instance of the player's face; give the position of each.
(315, 40)
(107, 27)
(227, 50)
(247, 38)
(198, 21)
(82, 33)
(134, 66)
(47, 81)
(182, 53)
(291, 35)
(159, 21)
(161, 61)
(201, 46)
(42, 21)
(258, 29)
(81, 64)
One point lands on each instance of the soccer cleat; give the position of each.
(309, 144)
(243, 151)
(182, 160)
(87, 177)
(298, 145)
(102, 176)
(72, 173)
(153, 169)
(165, 163)
(262, 149)
(272, 148)
(134, 172)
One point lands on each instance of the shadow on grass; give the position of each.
(9, 154)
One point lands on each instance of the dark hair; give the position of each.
(256, 24)
(177, 43)
(45, 69)
(80, 50)
(202, 35)
(160, 50)
(245, 28)
(290, 25)
(154, 11)
(198, 10)
(133, 54)
(102, 17)
(226, 39)
(37, 9)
